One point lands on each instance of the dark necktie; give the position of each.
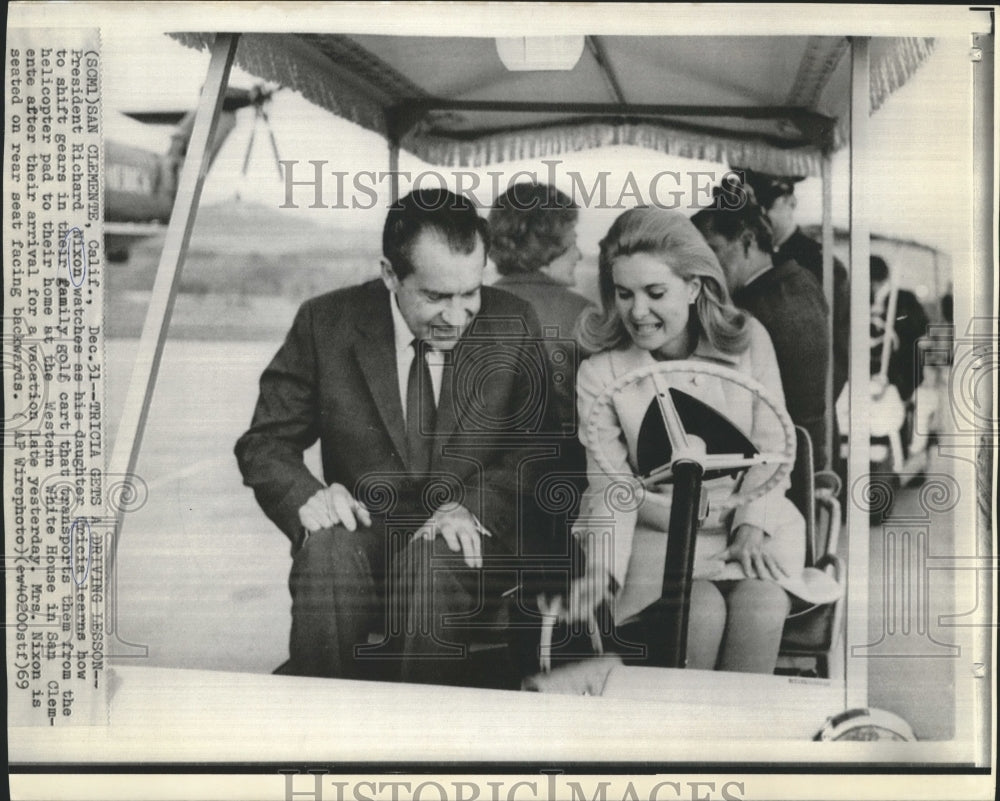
(421, 413)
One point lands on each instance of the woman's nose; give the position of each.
(639, 308)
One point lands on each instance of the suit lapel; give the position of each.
(376, 353)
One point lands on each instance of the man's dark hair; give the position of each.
(878, 269)
(453, 217)
(730, 223)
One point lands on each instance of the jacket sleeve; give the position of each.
(501, 494)
(612, 493)
(767, 433)
(285, 423)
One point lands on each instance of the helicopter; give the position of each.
(140, 185)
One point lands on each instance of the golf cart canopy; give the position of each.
(774, 104)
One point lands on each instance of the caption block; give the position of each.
(54, 508)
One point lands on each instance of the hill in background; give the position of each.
(248, 267)
(249, 249)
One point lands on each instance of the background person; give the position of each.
(533, 232)
(776, 195)
(908, 326)
(664, 297)
(789, 303)
(905, 370)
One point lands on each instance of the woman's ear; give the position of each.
(694, 289)
(747, 238)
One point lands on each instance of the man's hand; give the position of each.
(747, 548)
(460, 530)
(331, 507)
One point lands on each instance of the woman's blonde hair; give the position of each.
(670, 236)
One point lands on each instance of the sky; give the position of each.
(920, 145)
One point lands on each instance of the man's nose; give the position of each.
(456, 312)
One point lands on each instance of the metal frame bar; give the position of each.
(626, 109)
(816, 129)
(984, 249)
(600, 55)
(856, 670)
(826, 171)
(128, 440)
(393, 171)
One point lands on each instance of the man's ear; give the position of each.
(389, 276)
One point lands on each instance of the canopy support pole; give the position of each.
(826, 171)
(858, 465)
(393, 171)
(983, 324)
(128, 440)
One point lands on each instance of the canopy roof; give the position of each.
(769, 103)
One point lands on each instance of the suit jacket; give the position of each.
(334, 379)
(792, 308)
(809, 254)
(558, 309)
(909, 326)
(556, 305)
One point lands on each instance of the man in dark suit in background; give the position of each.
(909, 324)
(427, 392)
(776, 195)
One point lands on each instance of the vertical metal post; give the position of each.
(128, 441)
(858, 465)
(984, 288)
(393, 171)
(826, 171)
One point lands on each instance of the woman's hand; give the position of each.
(747, 548)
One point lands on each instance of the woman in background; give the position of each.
(533, 244)
(664, 298)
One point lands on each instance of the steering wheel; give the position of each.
(694, 431)
(679, 427)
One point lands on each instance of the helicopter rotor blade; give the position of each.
(249, 150)
(274, 142)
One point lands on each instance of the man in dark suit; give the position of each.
(427, 392)
(776, 195)
(909, 324)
